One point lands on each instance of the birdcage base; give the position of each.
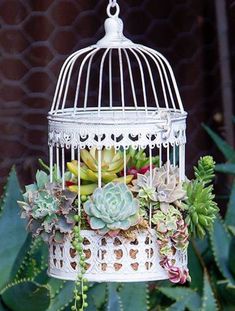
(112, 259)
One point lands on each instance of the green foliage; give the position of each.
(205, 170)
(223, 146)
(123, 214)
(48, 208)
(134, 297)
(227, 168)
(118, 297)
(23, 295)
(201, 207)
(230, 215)
(12, 229)
(220, 243)
(24, 284)
(184, 297)
(208, 300)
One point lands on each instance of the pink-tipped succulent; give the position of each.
(175, 274)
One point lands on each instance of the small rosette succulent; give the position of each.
(112, 208)
(48, 209)
(164, 187)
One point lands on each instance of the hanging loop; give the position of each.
(113, 4)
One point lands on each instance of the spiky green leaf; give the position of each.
(134, 297)
(227, 292)
(27, 296)
(231, 258)
(226, 168)
(195, 268)
(62, 296)
(223, 146)
(12, 229)
(177, 306)
(97, 295)
(230, 214)
(208, 300)
(189, 298)
(114, 301)
(220, 242)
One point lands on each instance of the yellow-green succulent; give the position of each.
(112, 163)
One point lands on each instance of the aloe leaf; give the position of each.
(25, 296)
(97, 295)
(232, 230)
(177, 306)
(231, 260)
(55, 286)
(227, 168)
(195, 268)
(35, 263)
(208, 300)
(134, 297)
(187, 296)
(227, 292)
(220, 242)
(12, 229)
(230, 214)
(2, 307)
(62, 296)
(223, 146)
(20, 260)
(114, 302)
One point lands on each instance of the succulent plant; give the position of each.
(162, 188)
(176, 274)
(205, 169)
(112, 164)
(201, 207)
(167, 222)
(172, 233)
(170, 192)
(112, 208)
(48, 208)
(139, 162)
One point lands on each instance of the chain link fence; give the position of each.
(37, 35)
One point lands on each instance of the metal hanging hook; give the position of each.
(113, 4)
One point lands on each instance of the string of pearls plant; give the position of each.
(80, 301)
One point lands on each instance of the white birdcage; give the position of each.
(115, 94)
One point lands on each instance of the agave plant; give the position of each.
(112, 208)
(48, 209)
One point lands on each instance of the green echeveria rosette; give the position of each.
(112, 208)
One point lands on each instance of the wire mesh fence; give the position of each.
(36, 37)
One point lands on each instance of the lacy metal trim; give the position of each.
(112, 259)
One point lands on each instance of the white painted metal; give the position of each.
(152, 118)
(112, 259)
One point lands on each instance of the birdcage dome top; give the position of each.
(116, 87)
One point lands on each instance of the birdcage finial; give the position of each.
(113, 25)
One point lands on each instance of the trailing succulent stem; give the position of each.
(80, 296)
